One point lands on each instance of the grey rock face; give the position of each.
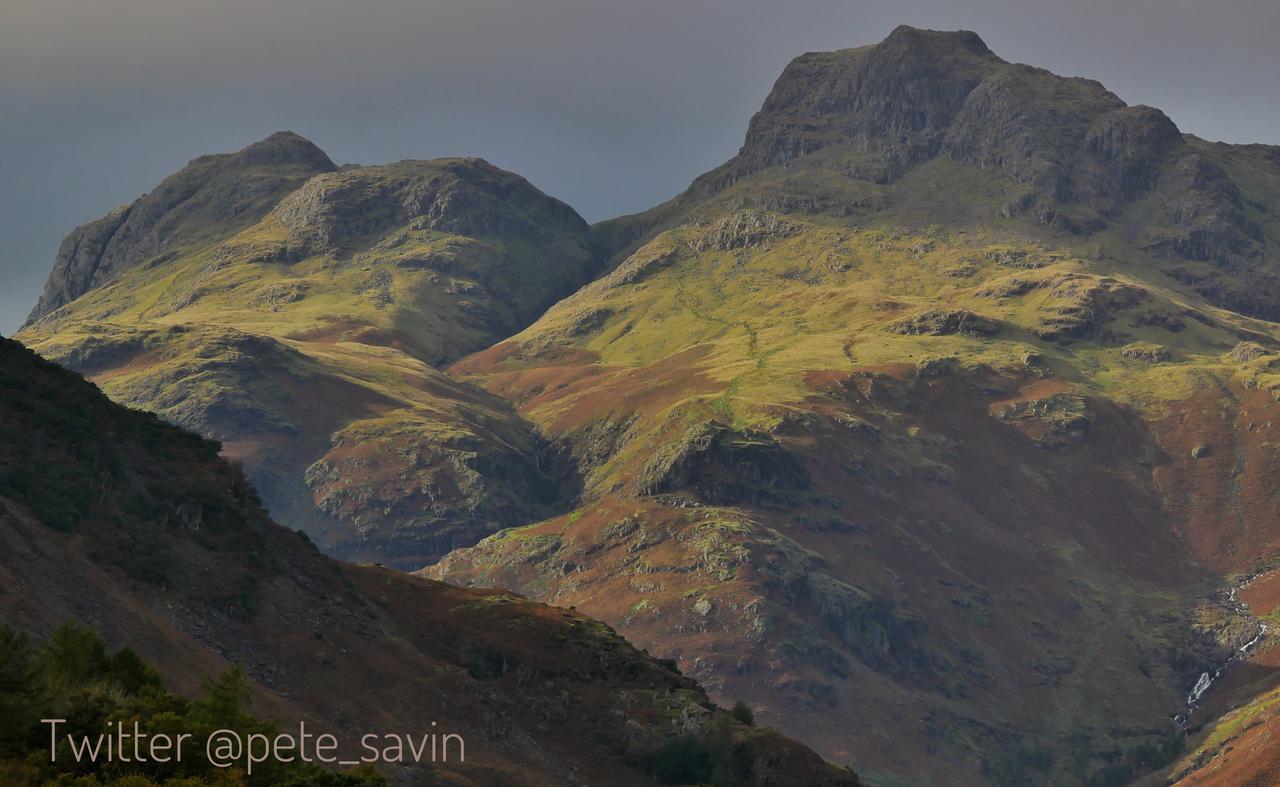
(946, 322)
(921, 94)
(1127, 147)
(726, 466)
(78, 262)
(463, 196)
(212, 195)
(898, 98)
(746, 230)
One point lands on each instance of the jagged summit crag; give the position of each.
(1082, 160)
(931, 424)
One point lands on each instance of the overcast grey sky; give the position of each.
(611, 105)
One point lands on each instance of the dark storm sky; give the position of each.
(611, 106)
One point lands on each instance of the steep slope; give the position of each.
(305, 337)
(116, 520)
(928, 423)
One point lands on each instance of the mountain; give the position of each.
(939, 424)
(115, 520)
(931, 424)
(296, 312)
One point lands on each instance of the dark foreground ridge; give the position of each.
(117, 521)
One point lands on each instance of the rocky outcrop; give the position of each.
(212, 196)
(1030, 124)
(1209, 235)
(1056, 422)
(461, 196)
(78, 265)
(1082, 306)
(1147, 352)
(746, 230)
(945, 322)
(407, 492)
(1126, 149)
(1244, 352)
(722, 466)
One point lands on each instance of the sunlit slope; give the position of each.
(734, 314)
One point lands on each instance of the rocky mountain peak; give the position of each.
(921, 94)
(468, 196)
(213, 196)
(906, 37)
(1078, 157)
(284, 148)
(1075, 158)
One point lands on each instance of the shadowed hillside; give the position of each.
(117, 521)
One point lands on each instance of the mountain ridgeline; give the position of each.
(933, 424)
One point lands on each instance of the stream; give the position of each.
(1209, 677)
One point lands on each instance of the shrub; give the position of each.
(74, 677)
(683, 760)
